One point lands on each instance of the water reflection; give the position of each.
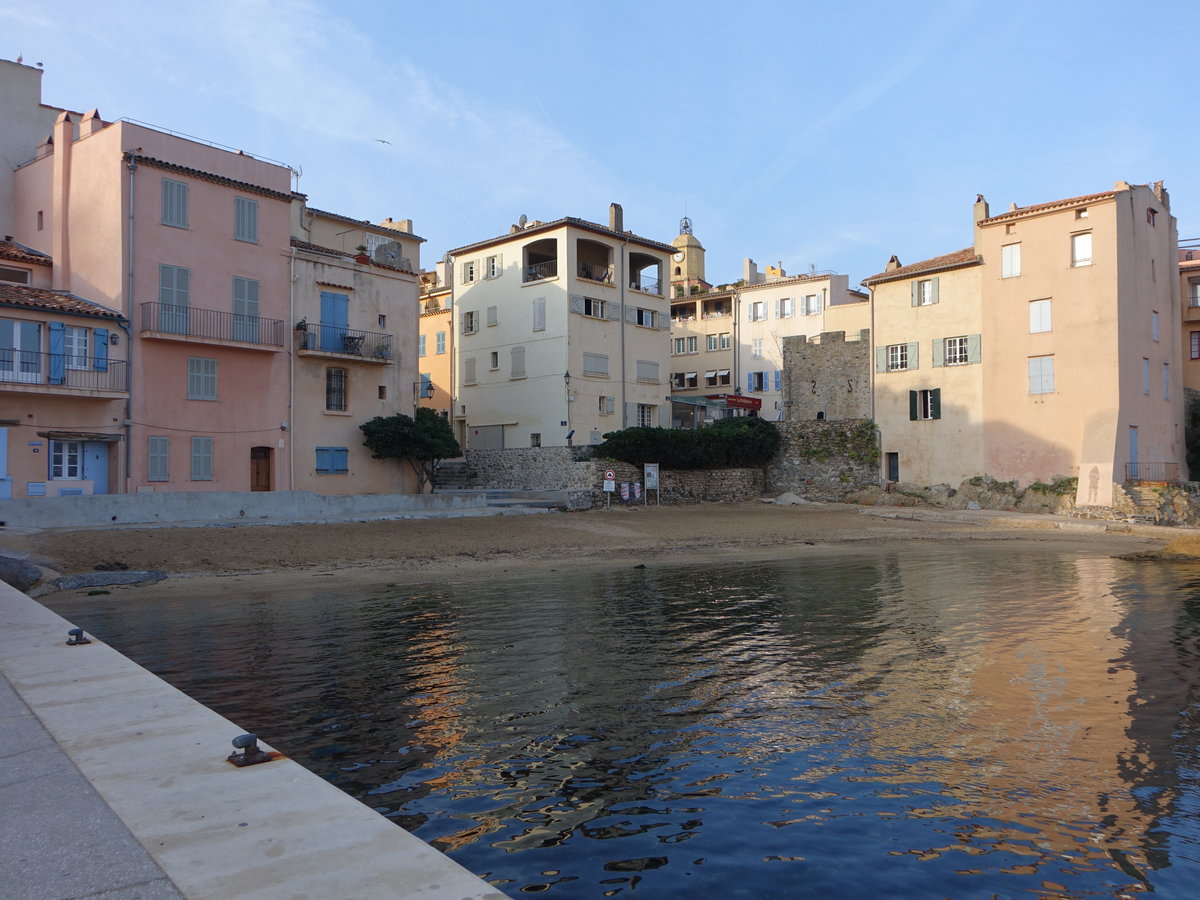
(929, 723)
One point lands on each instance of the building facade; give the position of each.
(561, 333)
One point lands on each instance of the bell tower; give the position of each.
(687, 263)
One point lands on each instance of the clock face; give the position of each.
(679, 257)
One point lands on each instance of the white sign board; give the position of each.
(651, 470)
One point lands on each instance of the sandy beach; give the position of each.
(202, 559)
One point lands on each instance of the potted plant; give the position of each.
(361, 254)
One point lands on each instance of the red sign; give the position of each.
(737, 401)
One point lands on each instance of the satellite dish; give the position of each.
(522, 220)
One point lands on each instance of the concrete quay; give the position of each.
(113, 784)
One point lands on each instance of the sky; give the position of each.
(818, 135)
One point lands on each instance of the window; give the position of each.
(492, 317)
(383, 389)
(756, 381)
(1145, 376)
(1166, 370)
(491, 268)
(925, 404)
(693, 344)
(202, 459)
(174, 203)
(1195, 344)
(1151, 215)
(381, 320)
(1039, 316)
(726, 341)
(897, 357)
(954, 351)
(470, 322)
(812, 304)
(335, 390)
(245, 219)
(20, 276)
(202, 378)
(245, 309)
(785, 307)
(710, 342)
(494, 360)
(677, 379)
(647, 415)
(518, 363)
(685, 379)
(1010, 260)
(1081, 213)
(468, 272)
(607, 406)
(158, 459)
(333, 460)
(925, 292)
(679, 345)
(174, 293)
(440, 338)
(535, 439)
(1154, 325)
(594, 308)
(469, 370)
(756, 348)
(75, 347)
(66, 459)
(1081, 249)
(644, 317)
(539, 314)
(717, 378)
(23, 341)
(421, 344)
(41, 220)
(647, 371)
(1041, 375)
(758, 311)
(1194, 292)
(595, 364)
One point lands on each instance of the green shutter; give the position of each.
(935, 403)
(973, 349)
(912, 406)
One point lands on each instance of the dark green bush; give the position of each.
(739, 442)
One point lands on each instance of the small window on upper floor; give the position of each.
(1010, 260)
(1081, 213)
(1081, 249)
(245, 219)
(1151, 215)
(174, 203)
(20, 276)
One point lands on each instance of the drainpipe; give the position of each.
(290, 331)
(129, 332)
(624, 371)
(871, 370)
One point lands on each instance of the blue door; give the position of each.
(1133, 453)
(95, 465)
(335, 318)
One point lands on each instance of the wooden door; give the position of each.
(260, 468)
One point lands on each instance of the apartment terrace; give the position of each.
(26, 371)
(167, 321)
(336, 342)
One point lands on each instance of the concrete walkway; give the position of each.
(115, 784)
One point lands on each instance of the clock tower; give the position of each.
(687, 263)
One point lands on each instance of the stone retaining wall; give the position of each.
(822, 460)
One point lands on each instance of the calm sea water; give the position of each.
(927, 723)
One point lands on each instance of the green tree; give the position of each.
(424, 441)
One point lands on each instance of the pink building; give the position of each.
(189, 242)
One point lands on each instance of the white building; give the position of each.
(561, 334)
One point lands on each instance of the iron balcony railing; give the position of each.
(596, 272)
(647, 284)
(214, 324)
(80, 373)
(346, 341)
(538, 271)
(1167, 472)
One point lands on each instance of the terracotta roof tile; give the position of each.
(1044, 207)
(957, 259)
(328, 251)
(558, 223)
(53, 301)
(210, 177)
(20, 253)
(363, 222)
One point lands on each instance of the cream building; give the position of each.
(354, 346)
(435, 341)
(1051, 347)
(560, 334)
(1189, 292)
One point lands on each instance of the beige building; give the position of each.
(354, 305)
(1050, 347)
(1189, 292)
(435, 341)
(560, 334)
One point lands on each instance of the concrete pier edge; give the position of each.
(157, 758)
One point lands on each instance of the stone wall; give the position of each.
(822, 460)
(531, 469)
(827, 375)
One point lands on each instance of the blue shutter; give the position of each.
(58, 363)
(750, 382)
(341, 456)
(779, 379)
(323, 459)
(100, 360)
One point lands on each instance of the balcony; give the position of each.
(541, 271)
(647, 284)
(190, 323)
(345, 343)
(56, 373)
(596, 272)
(1152, 472)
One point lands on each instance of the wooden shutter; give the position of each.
(881, 359)
(974, 352)
(912, 406)
(100, 352)
(912, 355)
(576, 303)
(916, 293)
(933, 290)
(935, 403)
(779, 379)
(939, 350)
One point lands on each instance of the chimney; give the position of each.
(91, 123)
(64, 135)
(978, 214)
(616, 217)
(893, 264)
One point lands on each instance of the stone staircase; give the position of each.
(1146, 499)
(454, 475)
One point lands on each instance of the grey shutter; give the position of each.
(912, 355)
(631, 313)
(939, 349)
(881, 359)
(577, 303)
(973, 348)
(662, 320)
(630, 416)
(933, 291)
(916, 293)
(613, 311)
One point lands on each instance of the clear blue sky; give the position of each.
(812, 133)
